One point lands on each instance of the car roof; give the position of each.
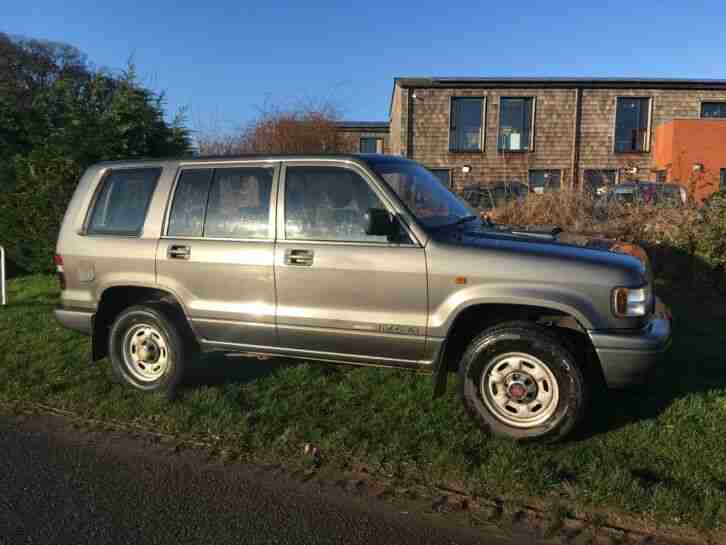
(645, 183)
(491, 185)
(355, 157)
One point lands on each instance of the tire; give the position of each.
(147, 349)
(519, 381)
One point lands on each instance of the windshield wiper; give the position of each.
(460, 221)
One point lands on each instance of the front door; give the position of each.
(218, 249)
(340, 292)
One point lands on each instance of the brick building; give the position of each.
(541, 131)
(364, 136)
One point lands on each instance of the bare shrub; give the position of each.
(209, 144)
(684, 243)
(700, 182)
(572, 210)
(308, 127)
(579, 212)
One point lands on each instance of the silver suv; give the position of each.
(362, 259)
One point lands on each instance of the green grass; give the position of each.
(657, 451)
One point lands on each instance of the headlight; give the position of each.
(629, 302)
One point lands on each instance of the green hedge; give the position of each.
(58, 115)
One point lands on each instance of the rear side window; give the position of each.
(222, 203)
(190, 200)
(123, 201)
(239, 203)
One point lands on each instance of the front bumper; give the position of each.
(78, 320)
(626, 358)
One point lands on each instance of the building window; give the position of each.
(713, 109)
(466, 124)
(597, 181)
(515, 124)
(545, 181)
(371, 144)
(661, 175)
(722, 185)
(443, 174)
(632, 125)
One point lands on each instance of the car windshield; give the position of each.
(424, 195)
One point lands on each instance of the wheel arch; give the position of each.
(115, 298)
(473, 319)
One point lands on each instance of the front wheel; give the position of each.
(519, 381)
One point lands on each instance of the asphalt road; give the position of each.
(60, 485)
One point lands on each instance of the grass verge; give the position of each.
(659, 451)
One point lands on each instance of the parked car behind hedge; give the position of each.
(490, 196)
(664, 194)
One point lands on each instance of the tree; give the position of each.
(58, 115)
(309, 127)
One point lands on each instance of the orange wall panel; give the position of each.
(682, 143)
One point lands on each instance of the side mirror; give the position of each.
(379, 223)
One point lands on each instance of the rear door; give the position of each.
(217, 251)
(340, 292)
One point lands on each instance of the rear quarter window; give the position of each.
(122, 202)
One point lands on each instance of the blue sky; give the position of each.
(224, 60)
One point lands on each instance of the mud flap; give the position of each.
(441, 373)
(99, 349)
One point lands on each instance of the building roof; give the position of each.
(556, 83)
(363, 125)
(562, 82)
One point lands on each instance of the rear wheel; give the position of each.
(147, 349)
(519, 381)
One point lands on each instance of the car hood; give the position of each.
(556, 244)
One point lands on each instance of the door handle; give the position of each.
(179, 252)
(300, 258)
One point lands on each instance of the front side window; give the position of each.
(515, 124)
(370, 144)
(466, 124)
(239, 203)
(328, 204)
(123, 201)
(632, 125)
(423, 194)
(713, 109)
(597, 181)
(545, 181)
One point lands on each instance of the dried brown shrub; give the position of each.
(307, 127)
(579, 212)
(673, 237)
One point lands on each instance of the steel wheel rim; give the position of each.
(145, 351)
(519, 389)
